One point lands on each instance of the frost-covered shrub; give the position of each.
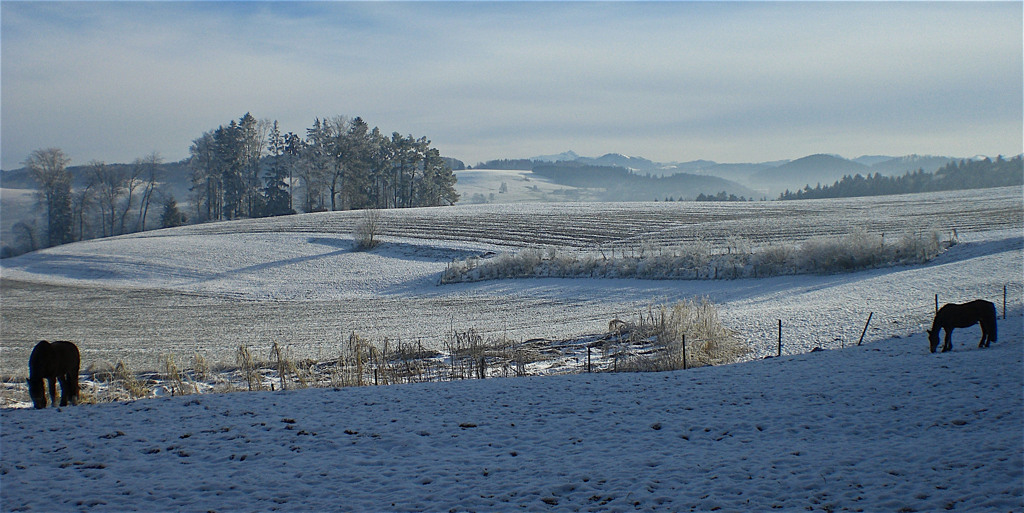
(368, 230)
(921, 248)
(774, 259)
(854, 251)
(862, 250)
(707, 340)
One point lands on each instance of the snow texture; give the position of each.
(880, 427)
(885, 426)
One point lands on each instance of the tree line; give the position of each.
(956, 175)
(249, 168)
(109, 200)
(246, 168)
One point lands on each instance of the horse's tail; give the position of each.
(74, 389)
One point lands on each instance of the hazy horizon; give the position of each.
(674, 81)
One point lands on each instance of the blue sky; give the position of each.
(673, 81)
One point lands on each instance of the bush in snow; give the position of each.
(368, 230)
(707, 340)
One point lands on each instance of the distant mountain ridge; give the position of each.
(810, 169)
(622, 184)
(766, 177)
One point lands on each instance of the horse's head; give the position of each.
(933, 339)
(37, 391)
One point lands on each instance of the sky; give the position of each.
(669, 81)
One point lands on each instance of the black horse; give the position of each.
(961, 316)
(58, 361)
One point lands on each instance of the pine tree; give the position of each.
(172, 216)
(277, 198)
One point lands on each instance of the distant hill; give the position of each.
(558, 157)
(620, 160)
(812, 169)
(870, 160)
(955, 175)
(616, 160)
(693, 166)
(900, 165)
(766, 178)
(621, 184)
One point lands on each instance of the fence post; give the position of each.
(588, 359)
(1004, 302)
(684, 351)
(780, 337)
(865, 328)
(936, 303)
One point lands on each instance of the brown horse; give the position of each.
(961, 316)
(58, 361)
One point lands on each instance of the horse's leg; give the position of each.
(73, 387)
(53, 390)
(64, 389)
(948, 344)
(984, 337)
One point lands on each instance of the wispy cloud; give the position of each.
(671, 81)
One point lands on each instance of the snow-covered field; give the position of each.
(514, 186)
(881, 427)
(295, 281)
(885, 426)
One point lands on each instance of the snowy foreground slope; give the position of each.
(880, 427)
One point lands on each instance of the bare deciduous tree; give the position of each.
(49, 168)
(368, 229)
(151, 176)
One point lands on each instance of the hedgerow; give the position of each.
(699, 261)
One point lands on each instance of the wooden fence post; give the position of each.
(1004, 302)
(780, 337)
(865, 328)
(684, 351)
(936, 303)
(588, 359)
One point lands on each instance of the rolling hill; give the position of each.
(883, 426)
(811, 170)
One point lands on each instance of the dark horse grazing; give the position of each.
(961, 316)
(58, 361)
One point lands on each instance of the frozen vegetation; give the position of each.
(699, 260)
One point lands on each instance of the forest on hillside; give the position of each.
(245, 168)
(248, 168)
(957, 175)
